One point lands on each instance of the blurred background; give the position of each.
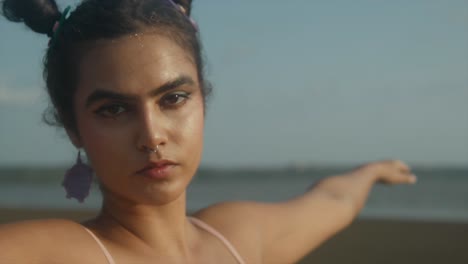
(302, 90)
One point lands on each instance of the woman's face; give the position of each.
(135, 93)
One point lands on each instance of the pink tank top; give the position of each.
(196, 222)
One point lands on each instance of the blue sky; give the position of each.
(320, 82)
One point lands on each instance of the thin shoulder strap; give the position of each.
(103, 248)
(215, 233)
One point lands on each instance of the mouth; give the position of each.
(158, 170)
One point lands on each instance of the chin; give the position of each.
(162, 193)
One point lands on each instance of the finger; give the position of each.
(412, 178)
(401, 166)
(406, 178)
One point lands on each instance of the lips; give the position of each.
(158, 170)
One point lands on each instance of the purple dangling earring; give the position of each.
(77, 181)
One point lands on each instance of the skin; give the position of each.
(144, 220)
(116, 132)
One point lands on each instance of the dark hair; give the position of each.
(99, 19)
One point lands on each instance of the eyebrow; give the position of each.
(103, 94)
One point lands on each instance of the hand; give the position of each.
(387, 171)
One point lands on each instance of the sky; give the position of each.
(302, 83)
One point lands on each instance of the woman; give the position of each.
(126, 81)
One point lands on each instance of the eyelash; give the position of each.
(104, 110)
(180, 95)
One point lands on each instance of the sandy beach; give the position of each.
(366, 241)
(395, 242)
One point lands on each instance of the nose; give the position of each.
(151, 131)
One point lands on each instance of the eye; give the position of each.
(174, 99)
(111, 111)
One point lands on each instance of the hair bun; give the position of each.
(38, 15)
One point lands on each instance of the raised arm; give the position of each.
(287, 231)
(294, 228)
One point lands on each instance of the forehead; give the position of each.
(140, 60)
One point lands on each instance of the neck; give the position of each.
(156, 229)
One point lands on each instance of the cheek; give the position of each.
(103, 145)
(193, 134)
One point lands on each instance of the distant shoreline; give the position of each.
(40, 174)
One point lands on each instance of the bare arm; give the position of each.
(296, 227)
(353, 188)
(287, 231)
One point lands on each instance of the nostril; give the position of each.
(151, 150)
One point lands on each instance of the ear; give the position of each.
(74, 138)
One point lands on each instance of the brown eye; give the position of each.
(115, 109)
(112, 110)
(174, 99)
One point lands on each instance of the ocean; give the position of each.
(441, 194)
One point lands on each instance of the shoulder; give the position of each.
(231, 216)
(41, 239)
(240, 223)
(36, 230)
(280, 232)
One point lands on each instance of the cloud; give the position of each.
(18, 97)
